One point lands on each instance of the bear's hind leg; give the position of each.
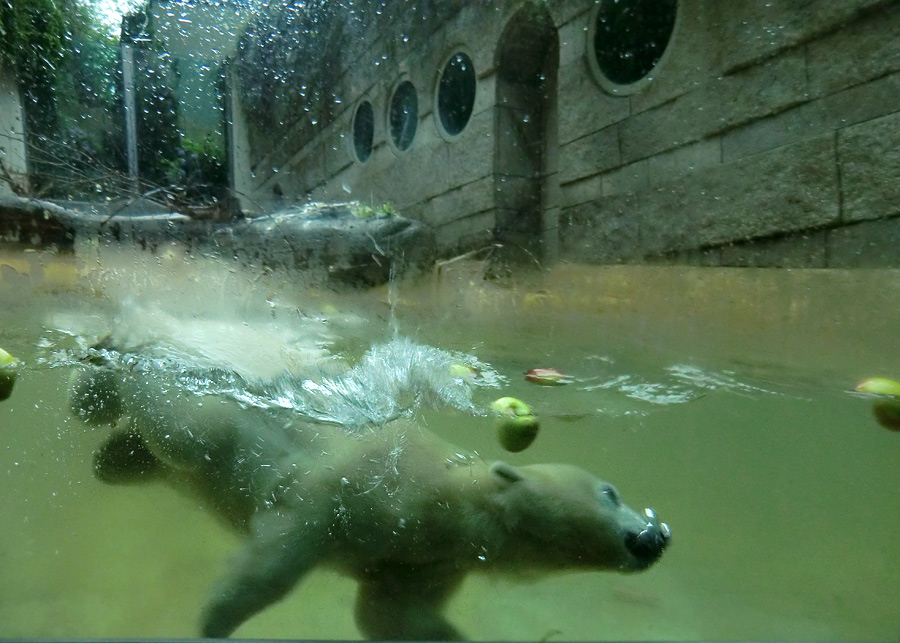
(405, 604)
(96, 397)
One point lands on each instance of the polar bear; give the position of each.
(390, 504)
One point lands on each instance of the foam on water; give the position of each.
(391, 380)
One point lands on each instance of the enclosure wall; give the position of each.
(766, 134)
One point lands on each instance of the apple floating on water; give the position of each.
(8, 372)
(517, 425)
(547, 377)
(886, 407)
(464, 372)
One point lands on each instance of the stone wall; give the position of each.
(768, 134)
(306, 151)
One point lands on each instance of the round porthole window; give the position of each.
(403, 115)
(456, 93)
(627, 40)
(363, 131)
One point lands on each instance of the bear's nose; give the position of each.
(648, 544)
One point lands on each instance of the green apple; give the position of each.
(517, 425)
(886, 406)
(9, 370)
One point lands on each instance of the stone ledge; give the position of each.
(341, 243)
(592, 154)
(801, 250)
(460, 202)
(602, 231)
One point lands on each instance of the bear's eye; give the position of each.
(610, 493)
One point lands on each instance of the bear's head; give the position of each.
(562, 517)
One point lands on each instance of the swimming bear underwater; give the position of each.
(334, 472)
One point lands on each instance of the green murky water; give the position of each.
(719, 398)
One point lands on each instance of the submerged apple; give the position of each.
(464, 372)
(8, 372)
(547, 377)
(886, 406)
(517, 425)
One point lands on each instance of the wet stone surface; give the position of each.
(347, 243)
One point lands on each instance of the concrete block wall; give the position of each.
(445, 181)
(769, 134)
(769, 137)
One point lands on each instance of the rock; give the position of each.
(347, 243)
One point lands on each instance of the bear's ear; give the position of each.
(506, 472)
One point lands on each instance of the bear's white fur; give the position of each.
(390, 504)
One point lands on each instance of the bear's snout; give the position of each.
(647, 545)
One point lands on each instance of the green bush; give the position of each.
(67, 67)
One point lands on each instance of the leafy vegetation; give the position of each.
(197, 172)
(33, 47)
(68, 65)
(365, 211)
